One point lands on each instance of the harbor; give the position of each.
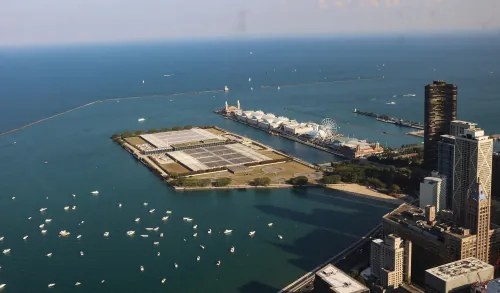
(391, 120)
(323, 136)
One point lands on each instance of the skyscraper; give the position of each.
(478, 219)
(446, 164)
(440, 110)
(473, 162)
(387, 260)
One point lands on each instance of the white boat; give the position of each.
(270, 224)
(187, 219)
(195, 227)
(198, 258)
(6, 251)
(44, 231)
(151, 211)
(29, 218)
(81, 253)
(145, 204)
(73, 208)
(251, 88)
(41, 226)
(95, 192)
(137, 220)
(169, 212)
(163, 280)
(106, 234)
(209, 231)
(149, 229)
(51, 285)
(218, 263)
(161, 235)
(156, 229)
(64, 233)
(144, 236)
(48, 220)
(130, 233)
(13, 197)
(232, 249)
(119, 205)
(164, 218)
(142, 269)
(143, 81)
(3, 285)
(226, 89)
(156, 243)
(79, 236)
(74, 195)
(227, 232)
(251, 233)
(202, 247)
(176, 265)
(78, 284)
(66, 208)
(195, 234)
(249, 79)
(25, 237)
(49, 254)
(1, 238)
(102, 281)
(43, 209)
(279, 88)
(280, 237)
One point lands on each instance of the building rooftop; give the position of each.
(167, 139)
(458, 268)
(464, 122)
(413, 218)
(339, 281)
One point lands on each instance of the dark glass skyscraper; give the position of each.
(440, 110)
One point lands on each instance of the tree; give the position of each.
(331, 179)
(127, 134)
(138, 132)
(394, 189)
(164, 129)
(262, 181)
(188, 126)
(300, 180)
(152, 130)
(176, 128)
(220, 182)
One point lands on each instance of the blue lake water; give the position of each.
(315, 224)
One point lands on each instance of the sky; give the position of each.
(42, 22)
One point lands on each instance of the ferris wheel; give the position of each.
(329, 126)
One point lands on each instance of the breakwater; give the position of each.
(391, 120)
(319, 82)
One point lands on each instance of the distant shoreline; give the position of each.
(364, 192)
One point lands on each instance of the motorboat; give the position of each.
(25, 237)
(44, 231)
(130, 233)
(41, 226)
(1, 238)
(64, 233)
(251, 233)
(164, 218)
(151, 211)
(187, 219)
(163, 280)
(2, 286)
(43, 209)
(79, 236)
(227, 232)
(119, 205)
(280, 237)
(29, 218)
(137, 220)
(74, 195)
(66, 208)
(209, 231)
(142, 269)
(176, 265)
(78, 284)
(161, 235)
(156, 243)
(51, 285)
(169, 212)
(195, 234)
(218, 263)
(149, 229)
(81, 253)
(73, 208)
(156, 229)
(198, 258)
(195, 227)
(6, 251)
(49, 254)
(106, 234)
(144, 236)
(145, 204)
(48, 220)
(270, 224)
(202, 247)
(232, 249)
(95, 192)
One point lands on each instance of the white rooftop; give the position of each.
(339, 281)
(167, 139)
(458, 268)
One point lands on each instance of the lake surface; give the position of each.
(315, 224)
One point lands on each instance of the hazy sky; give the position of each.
(24, 22)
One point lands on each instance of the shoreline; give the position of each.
(363, 192)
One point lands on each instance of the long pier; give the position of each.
(391, 120)
(105, 100)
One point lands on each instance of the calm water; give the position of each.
(315, 224)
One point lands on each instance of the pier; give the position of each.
(391, 120)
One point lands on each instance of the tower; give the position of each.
(440, 110)
(473, 160)
(478, 219)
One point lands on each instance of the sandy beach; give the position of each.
(362, 191)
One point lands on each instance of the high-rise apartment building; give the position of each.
(495, 173)
(440, 110)
(457, 127)
(473, 162)
(433, 192)
(446, 164)
(387, 260)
